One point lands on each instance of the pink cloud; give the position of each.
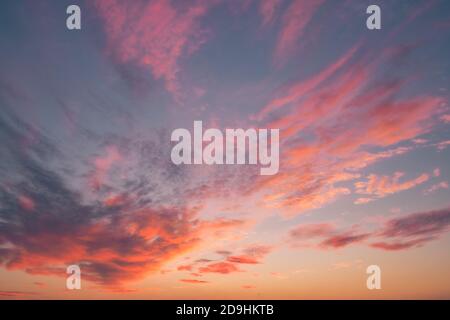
(294, 21)
(363, 200)
(329, 123)
(153, 35)
(405, 232)
(398, 245)
(268, 10)
(307, 231)
(114, 200)
(26, 202)
(251, 255)
(413, 230)
(442, 145)
(344, 239)
(436, 187)
(381, 186)
(419, 141)
(418, 224)
(327, 235)
(446, 118)
(102, 165)
(219, 267)
(296, 90)
(437, 172)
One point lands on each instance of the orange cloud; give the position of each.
(16, 294)
(184, 268)
(243, 259)
(114, 200)
(110, 250)
(248, 286)
(219, 267)
(194, 281)
(396, 245)
(363, 200)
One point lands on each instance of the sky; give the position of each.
(86, 176)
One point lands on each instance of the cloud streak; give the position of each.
(381, 186)
(153, 35)
(406, 232)
(294, 21)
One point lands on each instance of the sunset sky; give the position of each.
(86, 176)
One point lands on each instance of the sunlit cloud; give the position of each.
(86, 176)
(153, 35)
(294, 21)
(381, 186)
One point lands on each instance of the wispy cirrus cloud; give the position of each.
(380, 186)
(442, 145)
(115, 204)
(409, 231)
(292, 92)
(446, 118)
(193, 281)
(413, 230)
(154, 35)
(47, 224)
(229, 263)
(320, 148)
(437, 186)
(309, 231)
(294, 21)
(268, 10)
(251, 255)
(344, 239)
(219, 267)
(325, 236)
(17, 294)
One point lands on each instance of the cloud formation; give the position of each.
(153, 35)
(381, 186)
(294, 21)
(46, 225)
(409, 231)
